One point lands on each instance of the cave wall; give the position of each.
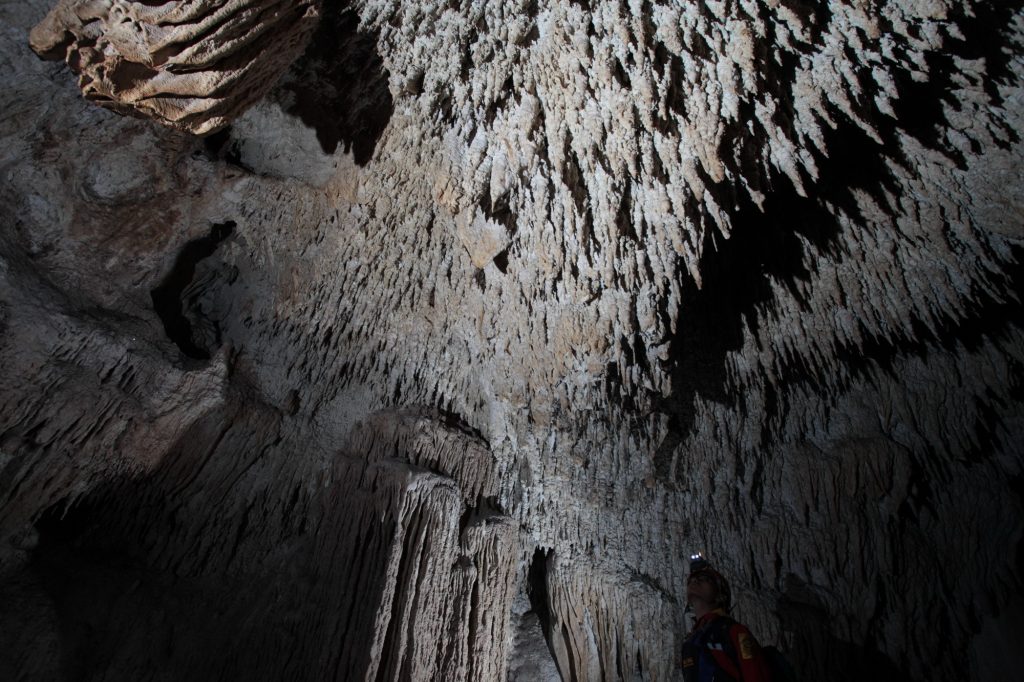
(489, 314)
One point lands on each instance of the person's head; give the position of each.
(707, 590)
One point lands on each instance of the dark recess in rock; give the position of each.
(340, 87)
(537, 590)
(219, 146)
(179, 313)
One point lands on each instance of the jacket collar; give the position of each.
(708, 617)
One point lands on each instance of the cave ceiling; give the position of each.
(380, 340)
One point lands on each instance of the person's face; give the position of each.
(700, 595)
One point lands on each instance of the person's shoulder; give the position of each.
(744, 641)
(737, 627)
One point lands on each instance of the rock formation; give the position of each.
(440, 361)
(192, 64)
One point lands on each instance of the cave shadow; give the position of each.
(822, 655)
(771, 244)
(778, 243)
(167, 576)
(99, 558)
(224, 563)
(192, 329)
(339, 86)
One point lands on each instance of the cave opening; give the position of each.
(537, 589)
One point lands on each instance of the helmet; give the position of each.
(701, 570)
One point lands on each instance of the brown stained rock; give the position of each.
(188, 64)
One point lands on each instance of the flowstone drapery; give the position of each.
(194, 65)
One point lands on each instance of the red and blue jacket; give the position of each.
(721, 650)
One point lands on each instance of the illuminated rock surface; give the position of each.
(191, 64)
(488, 314)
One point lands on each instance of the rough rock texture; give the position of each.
(194, 65)
(489, 314)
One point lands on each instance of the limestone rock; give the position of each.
(489, 314)
(483, 238)
(192, 65)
